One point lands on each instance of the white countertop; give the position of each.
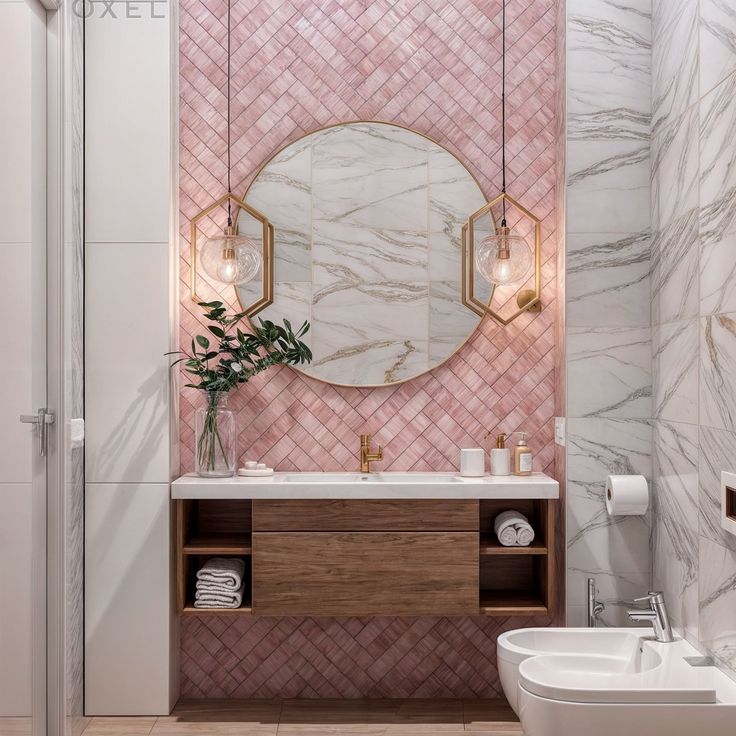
(372, 485)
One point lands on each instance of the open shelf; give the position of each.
(489, 545)
(218, 543)
(511, 603)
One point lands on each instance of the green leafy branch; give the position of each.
(225, 359)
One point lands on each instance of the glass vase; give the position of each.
(214, 428)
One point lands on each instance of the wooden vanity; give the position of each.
(361, 557)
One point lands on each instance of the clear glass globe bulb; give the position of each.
(503, 258)
(230, 258)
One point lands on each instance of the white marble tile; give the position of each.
(717, 47)
(717, 161)
(283, 193)
(344, 326)
(718, 371)
(718, 276)
(718, 602)
(608, 70)
(675, 520)
(596, 448)
(717, 453)
(674, 58)
(453, 194)
(675, 371)
(449, 320)
(608, 186)
(610, 370)
(607, 280)
(674, 270)
(616, 590)
(369, 175)
(350, 255)
(675, 167)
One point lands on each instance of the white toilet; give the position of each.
(612, 681)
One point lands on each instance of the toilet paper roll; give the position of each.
(627, 495)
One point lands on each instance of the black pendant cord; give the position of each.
(229, 188)
(503, 109)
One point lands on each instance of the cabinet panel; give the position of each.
(365, 515)
(365, 573)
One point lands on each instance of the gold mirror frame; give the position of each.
(436, 143)
(266, 297)
(527, 300)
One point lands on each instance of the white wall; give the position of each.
(129, 615)
(22, 242)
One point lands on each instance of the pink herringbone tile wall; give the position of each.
(433, 66)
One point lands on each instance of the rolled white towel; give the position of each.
(524, 534)
(513, 529)
(208, 599)
(225, 571)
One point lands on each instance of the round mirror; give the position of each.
(367, 229)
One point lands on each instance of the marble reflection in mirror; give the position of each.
(367, 220)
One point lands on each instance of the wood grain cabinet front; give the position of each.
(365, 573)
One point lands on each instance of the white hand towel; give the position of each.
(522, 534)
(206, 587)
(207, 599)
(227, 571)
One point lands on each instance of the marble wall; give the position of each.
(693, 305)
(608, 339)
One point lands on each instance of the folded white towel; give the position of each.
(225, 571)
(208, 599)
(205, 587)
(513, 529)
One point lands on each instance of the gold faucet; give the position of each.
(366, 456)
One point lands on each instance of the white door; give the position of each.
(23, 367)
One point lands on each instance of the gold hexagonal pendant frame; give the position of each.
(266, 297)
(527, 300)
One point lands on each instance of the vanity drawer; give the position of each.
(365, 573)
(365, 515)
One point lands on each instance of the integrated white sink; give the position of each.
(406, 478)
(347, 485)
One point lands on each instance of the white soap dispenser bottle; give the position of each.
(501, 457)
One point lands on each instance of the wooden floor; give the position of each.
(311, 718)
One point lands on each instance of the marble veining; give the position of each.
(717, 361)
(675, 270)
(717, 453)
(674, 59)
(608, 280)
(718, 275)
(718, 161)
(675, 520)
(718, 602)
(367, 220)
(675, 370)
(618, 358)
(717, 42)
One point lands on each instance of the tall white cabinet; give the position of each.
(130, 627)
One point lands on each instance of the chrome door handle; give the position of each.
(44, 418)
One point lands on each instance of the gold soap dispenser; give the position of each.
(522, 457)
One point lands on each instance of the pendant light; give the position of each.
(504, 257)
(230, 258)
